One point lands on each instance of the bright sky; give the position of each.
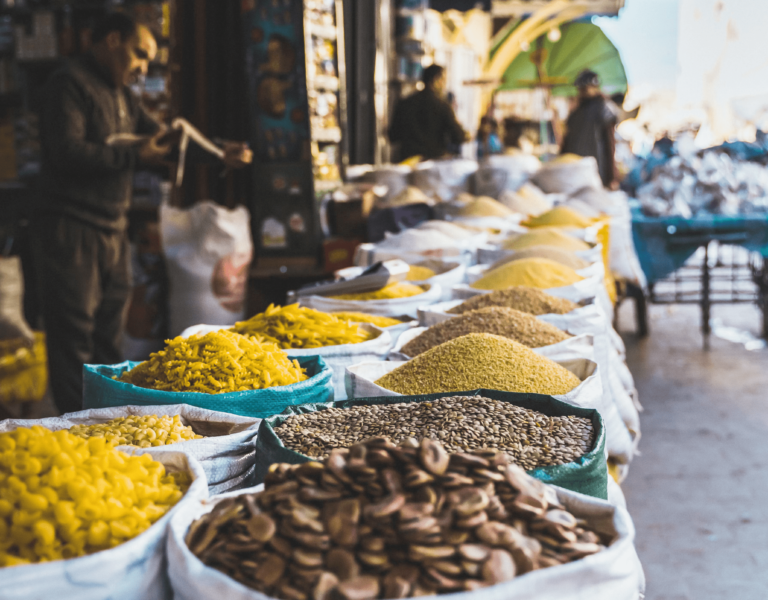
(645, 32)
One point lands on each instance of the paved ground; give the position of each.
(698, 491)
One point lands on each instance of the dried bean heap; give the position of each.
(381, 521)
(498, 320)
(528, 438)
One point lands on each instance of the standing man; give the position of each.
(424, 124)
(591, 128)
(80, 239)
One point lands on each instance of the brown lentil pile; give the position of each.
(384, 521)
(564, 257)
(525, 299)
(480, 360)
(527, 437)
(498, 320)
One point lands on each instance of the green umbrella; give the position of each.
(581, 46)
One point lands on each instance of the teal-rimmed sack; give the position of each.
(587, 475)
(101, 390)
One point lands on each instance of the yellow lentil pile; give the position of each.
(390, 292)
(479, 360)
(560, 216)
(296, 326)
(559, 255)
(539, 273)
(547, 236)
(484, 206)
(506, 322)
(376, 320)
(525, 299)
(139, 431)
(62, 496)
(222, 361)
(418, 273)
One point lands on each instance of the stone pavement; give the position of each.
(698, 491)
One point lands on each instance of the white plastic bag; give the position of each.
(613, 574)
(226, 454)
(135, 569)
(13, 325)
(208, 251)
(396, 307)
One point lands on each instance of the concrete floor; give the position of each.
(698, 491)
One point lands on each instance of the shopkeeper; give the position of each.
(591, 128)
(424, 124)
(79, 231)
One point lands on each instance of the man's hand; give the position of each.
(237, 155)
(154, 150)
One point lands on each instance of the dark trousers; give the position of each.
(84, 280)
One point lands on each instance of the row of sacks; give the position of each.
(158, 563)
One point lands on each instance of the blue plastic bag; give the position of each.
(101, 390)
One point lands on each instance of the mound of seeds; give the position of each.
(525, 299)
(564, 257)
(528, 438)
(480, 360)
(384, 521)
(498, 320)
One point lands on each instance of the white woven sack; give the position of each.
(447, 279)
(613, 574)
(386, 308)
(135, 569)
(463, 251)
(567, 178)
(432, 314)
(337, 357)
(227, 454)
(505, 225)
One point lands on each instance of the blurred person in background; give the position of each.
(424, 124)
(488, 140)
(82, 252)
(591, 128)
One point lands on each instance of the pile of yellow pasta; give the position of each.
(390, 292)
(357, 317)
(296, 326)
(219, 362)
(139, 431)
(62, 496)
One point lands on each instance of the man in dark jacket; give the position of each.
(424, 124)
(590, 130)
(80, 238)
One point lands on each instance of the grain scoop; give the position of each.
(374, 278)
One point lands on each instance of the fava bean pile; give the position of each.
(382, 521)
(139, 431)
(63, 497)
(528, 438)
(479, 360)
(390, 292)
(525, 299)
(506, 322)
(222, 361)
(297, 326)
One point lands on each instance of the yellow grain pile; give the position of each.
(222, 361)
(564, 257)
(538, 273)
(549, 236)
(357, 317)
(480, 360)
(560, 216)
(418, 273)
(525, 299)
(296, 326)
(484, 206)
(390, 292)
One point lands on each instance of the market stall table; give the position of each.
(731, 269)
